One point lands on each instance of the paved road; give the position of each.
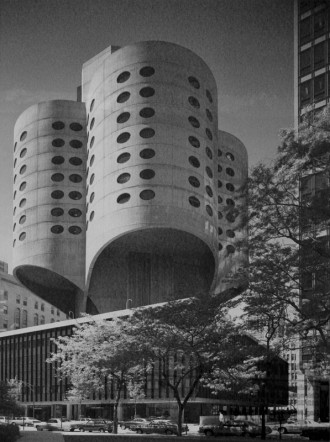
(40, 436)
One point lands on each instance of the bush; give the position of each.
(9, 432)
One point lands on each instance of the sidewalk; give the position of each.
(40, 436)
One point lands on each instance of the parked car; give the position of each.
(228, 428)
(55, 424)
(157, 426)
(252, 429)
(97, 425)
(293, 426)
(133, 423)
(76, 424)
(317, 433)
(25, 420)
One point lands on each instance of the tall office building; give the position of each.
(312, 88)
(129, 197)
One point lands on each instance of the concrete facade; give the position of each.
(160, 215)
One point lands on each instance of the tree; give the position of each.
(194, 343)
(288, 243)
(8, 403)
(97, 356)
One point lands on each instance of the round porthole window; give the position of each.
(123, 158)
(194, 102)
(147, 92)
(230, 233)
(57, 177)
(220, 215)
(91, 142)
(230, 217)
(58, 125)
(57, 211)
(76, 144)
(209, 191)
(194, 122)
(194, 181)
(230, 249)
(57, 194)
(220, 231)
(22, 236)
(92, 178)
(92, 124)
(230, 202)
(58, 142)
(124, 76)
(75, 178)
(209, 172)
(91, 198)
(58, 160)
(209, 115)
(75, 161)
(146, 154)
(122, 138)
(92, 161)
(194, 141)
(22, 219)
(75, 230)
(230, 171)
(209, 152)
(22, 202)
(194, 82)
(219, 168)
(23, 152)
(209, 134)
(123, 97)
(193, 201)
(91, 216)
(209, 96)
(122, 118)
(194, 162)
(23, 136)
(57, 229)
(219, 153)
(22, 186)
(220, 246)
(147, 112)
(230, 156)
(230, 187)
(147, 71)
(147, 174)
(22, 169)
(123, 198)
(123, 178)
(219, 184)
(147, 132)
(75, 213)
(76, 127)
(147, 194)
(74, 195)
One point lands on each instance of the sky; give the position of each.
(248, 45)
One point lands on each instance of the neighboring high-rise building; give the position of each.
(312, 88)
(129, 197)
(125, 199)
(19, 308)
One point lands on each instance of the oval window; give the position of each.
(193, 201)
(58, 142)
(194, 162)
(230, 187)
(147, 112)
(209, 210)
(75, 161)
(124, 96)
(122, 118)
(194, 181)
(58, 160)
(209, 134)
(22, 202)
(230, 156)
(23, 153)
(74, 195)
(57, 177)
(92, 178)
(22, 236)
(124, 76)
(230, 233)
(230, 171)
(22, 219)
(57, 211)
(209, 96)
(148, 132)
(219, 184)
(122, 138)
(91, 107)
(147, 174)
(219, 153)
(92, 124)
(57, 194)
(230, 202)
(209, 153)
(123, 158)
(22, 186)
(76, 144)
(92, 142)
(76, 127)
(194, 122)
(230, 249)
(15, 145)
(147, 71)
(220, 216)
(23, 136)
(123, 198)
(147, 194)
(146, 154)
(91, 216)
(209, 115)
(75, 230)
(123, 178)
(91, 198)
(194, 141)
(92, 161)
(194, 102)
(209, 172)
(219, 168)
(220, 231)
(22, 169)
(194, 82)
(147, 92)
(58, 125)
(209, 191)
(74, 178)
(220, 246)
(230, 217)
(57, 229)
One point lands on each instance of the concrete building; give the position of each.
(19, 308)
(312, 88)
(128, 198)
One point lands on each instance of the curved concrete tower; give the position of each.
(151, 207)
(49, 202)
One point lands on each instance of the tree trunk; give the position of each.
(115, 417)
(180, 414)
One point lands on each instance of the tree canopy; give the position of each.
(8, 403)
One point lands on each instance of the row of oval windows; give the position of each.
(74, 230)
(57, 125)
(56, 194)
(57, 211)
(230, 249)
(56, 177)
(148, 132)
(148, 71)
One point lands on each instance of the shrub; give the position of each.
(9, 432)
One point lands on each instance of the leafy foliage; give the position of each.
(8, 403)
